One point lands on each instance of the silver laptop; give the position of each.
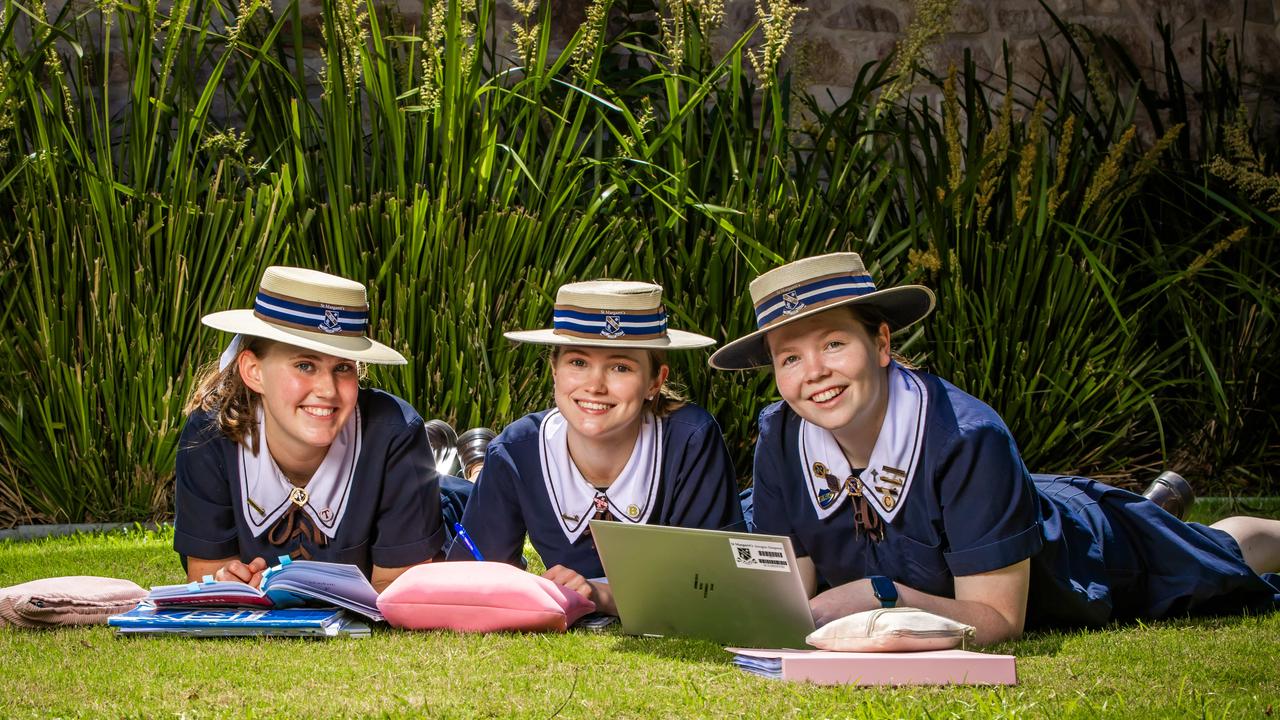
(736, 588)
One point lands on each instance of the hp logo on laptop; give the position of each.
(705, 587)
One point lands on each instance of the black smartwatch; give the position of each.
(884, 590)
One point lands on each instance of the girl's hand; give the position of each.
(236, 571)
(597, 592)
(570, 579)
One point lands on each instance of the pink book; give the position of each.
(929, 667)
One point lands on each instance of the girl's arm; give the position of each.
(383, 576)
(493, 517)
(706, 487)
(994, 603)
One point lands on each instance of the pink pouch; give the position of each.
(479, 597)
(72, 600)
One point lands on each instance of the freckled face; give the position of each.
(307, 396)
(601, 392)
(830, 370)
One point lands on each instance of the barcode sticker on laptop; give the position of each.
(759, 555)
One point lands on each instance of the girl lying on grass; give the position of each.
(619, 445)
(895, 486)
(283, 453)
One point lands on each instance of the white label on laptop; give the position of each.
(759, 555)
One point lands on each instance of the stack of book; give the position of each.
(147, 619)
(296, 598)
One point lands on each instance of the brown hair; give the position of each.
(871, 317)
(669, 399)
(223, 394)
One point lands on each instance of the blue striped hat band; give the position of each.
(301, 314)
(650, 324)
(812, 293)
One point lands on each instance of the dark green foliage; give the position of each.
(1097, 285)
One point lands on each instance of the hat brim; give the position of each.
(675, 340)
(360, 349)
(902, 306)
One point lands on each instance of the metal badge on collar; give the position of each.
(299, 496)
(825, 498)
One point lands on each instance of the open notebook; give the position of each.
(292, 583)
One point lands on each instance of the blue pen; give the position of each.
(466, 540)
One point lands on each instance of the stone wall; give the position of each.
(836, 37)
(844, 34)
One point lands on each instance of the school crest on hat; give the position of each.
(612, 327)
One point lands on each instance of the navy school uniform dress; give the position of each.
(680, 474)
(375, 500)
(946, 494)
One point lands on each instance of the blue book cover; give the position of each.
(222, 622)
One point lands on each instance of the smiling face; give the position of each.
(307, 397)
(831, 371)
(602, 392)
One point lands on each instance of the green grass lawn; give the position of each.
(1220, 667)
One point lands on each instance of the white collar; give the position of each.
(630, 497)
(892, 467)
(266, 493)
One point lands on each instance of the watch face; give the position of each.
(883, 588)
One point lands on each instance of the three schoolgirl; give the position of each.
(894, 486)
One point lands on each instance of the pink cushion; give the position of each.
(479, 597)
(73, 600)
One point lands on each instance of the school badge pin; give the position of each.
(299, 496)
(825, 498)
(791, 303)
(612, 327)
(331, 324)
(326, 515)
(633, 511)
(820, 470)
(888, 501)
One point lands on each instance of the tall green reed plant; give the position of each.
(123, 230)
(465, 186)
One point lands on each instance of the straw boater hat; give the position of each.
(311, 310)
(809, 286)
(611, 313)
